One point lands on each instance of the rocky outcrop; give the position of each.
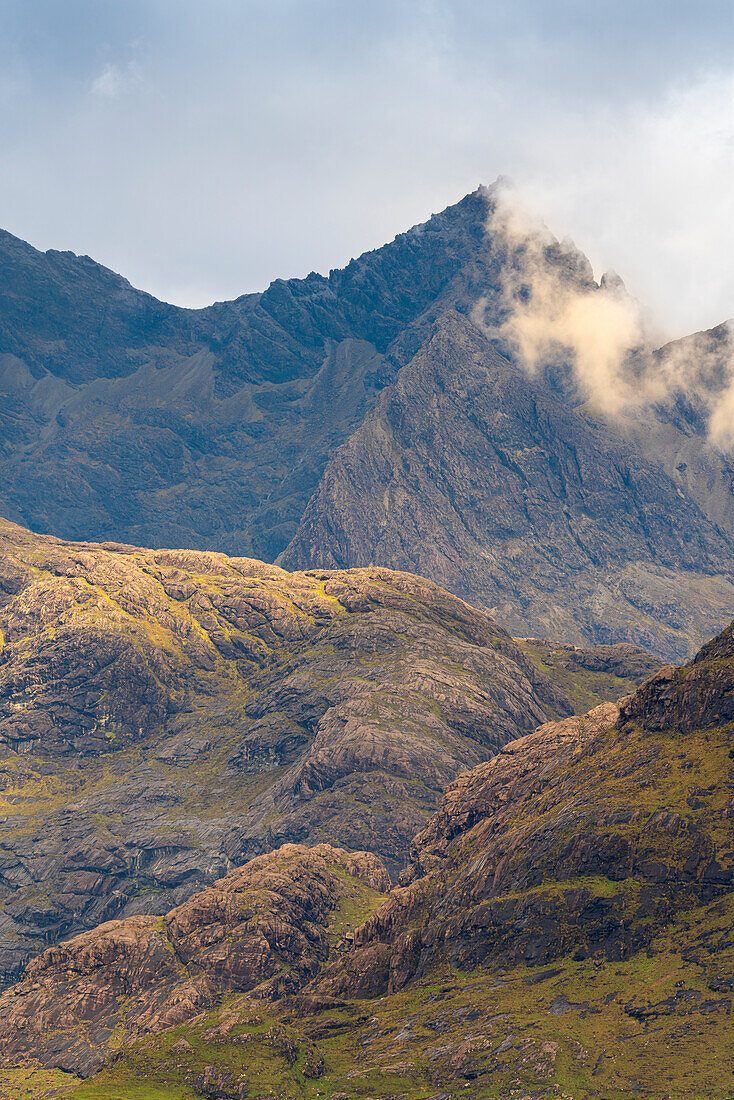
(468, 471)
(585, 838)
(697, 696)
(264, 929)
(165, 715)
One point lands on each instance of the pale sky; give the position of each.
(204, 148)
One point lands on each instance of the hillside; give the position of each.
(468, 471)
(361, 418)
(566, 932)
(166, 715)
(591, 675)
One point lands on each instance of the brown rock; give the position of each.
(508, 868)
(262, 929)
(165, 715)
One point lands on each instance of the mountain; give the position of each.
(469, 471)
(364, 418)
(267, 928)
(565, 929)
(130, 419)
(165, 715)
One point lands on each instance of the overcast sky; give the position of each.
(204, 147)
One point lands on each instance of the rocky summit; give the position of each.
(264, 929)
(468, 471)
(564, 928)
(166, 715)
(374, 416)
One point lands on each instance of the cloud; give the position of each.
(552, 311)
(646, 186)
(114, 81)
(721, 424)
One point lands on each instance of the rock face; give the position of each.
(370, 394)
(263, 929)
(585, 838)
(468, 471)
(165, 715)
(566, 925)
(695, 697)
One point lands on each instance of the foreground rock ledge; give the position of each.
(264, 929)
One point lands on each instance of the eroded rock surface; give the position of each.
(263, 929)
(469, 471)
(698, 695)
(165, 715)
(584, 838)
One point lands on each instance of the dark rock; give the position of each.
(467, 470)
(699, 695)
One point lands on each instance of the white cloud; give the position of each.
(553, 311)
(647, 188)
(114, 81)
(721, 425)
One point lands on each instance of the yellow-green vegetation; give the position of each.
(649, 1026)
(31, 1083)
(357, 902)
(213, 707)
(585, 688)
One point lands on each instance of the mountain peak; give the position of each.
(127, 419)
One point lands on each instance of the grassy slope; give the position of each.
(656, 1024)
(482, 1034)
(585, 688)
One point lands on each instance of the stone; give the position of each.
(261, 930)
(505, 870)
(180, 712)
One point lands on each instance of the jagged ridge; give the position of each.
(126, 418)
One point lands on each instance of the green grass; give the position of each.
(459, 1023)
(31, 1083)
(358, 902)
(584, 688)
